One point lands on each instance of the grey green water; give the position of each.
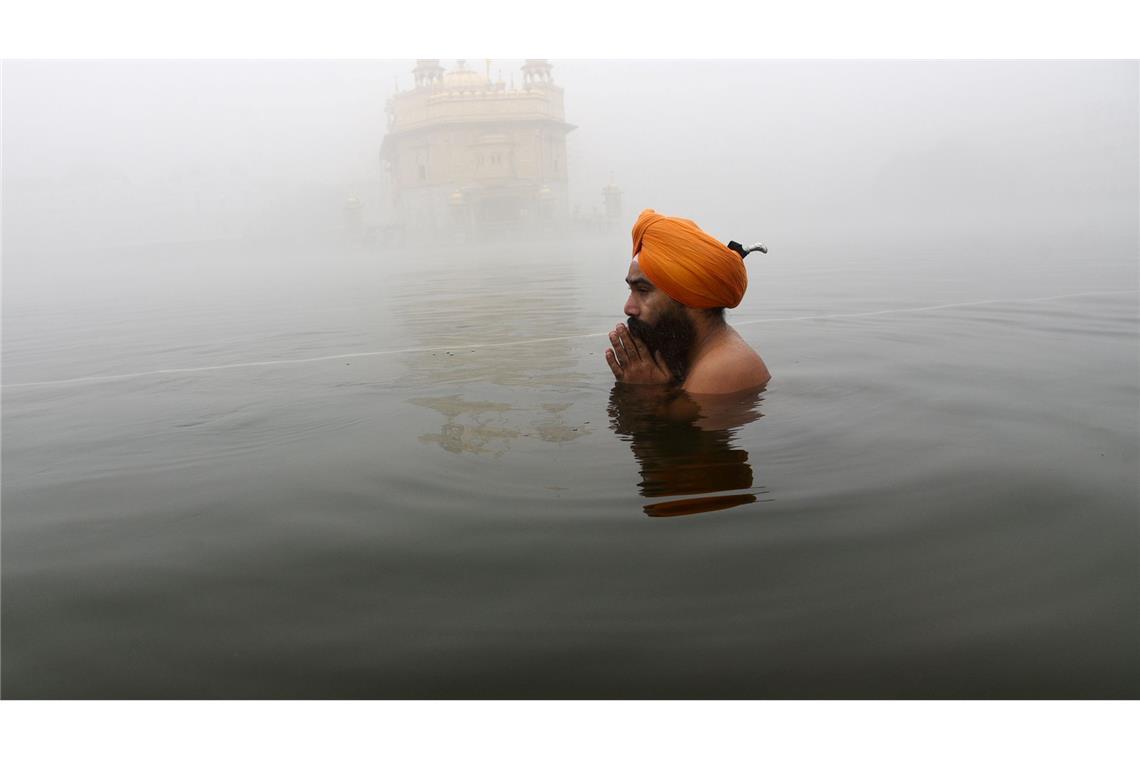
(306, 470)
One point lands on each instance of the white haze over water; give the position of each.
(111, 153)
(891, 185)
(239, 441)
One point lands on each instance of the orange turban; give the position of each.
(687, 263)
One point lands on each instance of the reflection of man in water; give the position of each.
(685, 448)
(681, 280)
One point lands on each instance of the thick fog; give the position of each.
(796, 151)
(106, 153)
(827, 154)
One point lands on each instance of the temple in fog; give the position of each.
(468, 157)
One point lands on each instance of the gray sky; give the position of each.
(111, 152)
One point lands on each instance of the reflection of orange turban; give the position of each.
(687, 263)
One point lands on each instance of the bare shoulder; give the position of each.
(732, 366)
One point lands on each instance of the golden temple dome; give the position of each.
(463, 78)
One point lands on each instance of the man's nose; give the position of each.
(631, 308)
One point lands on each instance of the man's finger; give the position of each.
(632, 344)
(642, 349)
(619, 349)
(613, 362)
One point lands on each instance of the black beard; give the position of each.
(673, 335)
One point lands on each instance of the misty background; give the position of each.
(104, 153)
(245, 454)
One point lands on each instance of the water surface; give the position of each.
(284, 470)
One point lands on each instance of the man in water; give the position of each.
(680, 281)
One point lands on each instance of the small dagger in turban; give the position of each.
(735, 246)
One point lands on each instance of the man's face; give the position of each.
(660, 322)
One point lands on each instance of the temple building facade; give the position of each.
(467, 157)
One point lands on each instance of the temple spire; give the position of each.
(536, 71)
(427, 72)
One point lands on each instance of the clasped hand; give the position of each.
(632, 362)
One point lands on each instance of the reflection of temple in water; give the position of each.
(468, 157)
(491, 359)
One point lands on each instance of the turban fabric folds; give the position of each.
(687, 263)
